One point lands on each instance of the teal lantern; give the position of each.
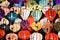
(36, 14)
(12, 16)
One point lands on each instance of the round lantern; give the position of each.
(11, 36)
(36, 26)
(57, 1)
(24, 34)
(43, 2)
(57, 20)
(45, 8)
(36, 14)
(6, 10)
(56, 7)
(44, 20)
(36, 36)
(2, 13)
(2, 33)
(25, 12)
(24, 24)
(57, 26)
(30, 19)
(15, 27)
(47, 27)
(59, 34)
(5, 27)
(12, 16)
(50, 14)
(59, 12)
(51, 36)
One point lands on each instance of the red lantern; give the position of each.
(51, 36)
(30, 19)
(2, 33)
(24, 34)
(50, 14)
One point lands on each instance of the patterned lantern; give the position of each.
(24, 34)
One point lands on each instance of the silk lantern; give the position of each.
(57, 20)
(2, 13)
(2, 33)
(51, 36)
(24, 34)
(57, 1)
(11, 36)
(50, 14)
(47, 27)
(12, 16)
(15, 27)
(36, 14)
(36, 26)
(24, 24)
(57, 26)
(36, 36)
(5, 27)
(30, 19)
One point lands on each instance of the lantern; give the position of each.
(36, 36)
(50, 14)
(57, 20)
(12, 16)
(11, 36)
(2, 0)
(51, 36)
(45, 8)
(59, 34)
(59, 12)
(2, 13)
(36, 14)
(25, 12)
(36, 26)
(24, 24)
(15, 27)
(24, 34)
(2, 33)
(5, 27)
(57, 1)
(57, 26)
(47, 27)
(30, 19)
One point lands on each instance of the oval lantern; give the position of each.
(36, 36)
(57, 20)
(25, 12)
(30, 19)
(56, 7)
(59, 34)
(57, 26)
(2, 13)
(24, 24)
(2, 33)
(59, 12)
(50, 14)
(43, 2)
(45, 8)
(24, 34)
(11, 36)
(12, 16)
(44, 20)
(6, 10)
(51, 36)
(36, 14)
(36, 26)
(57, 1)
(47, 27)
(5, 27)
(15, 27)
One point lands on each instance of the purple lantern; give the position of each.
(57, 1)
(24, 24)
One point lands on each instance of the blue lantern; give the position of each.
(12, 16)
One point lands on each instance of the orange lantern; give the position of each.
(24, 34)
